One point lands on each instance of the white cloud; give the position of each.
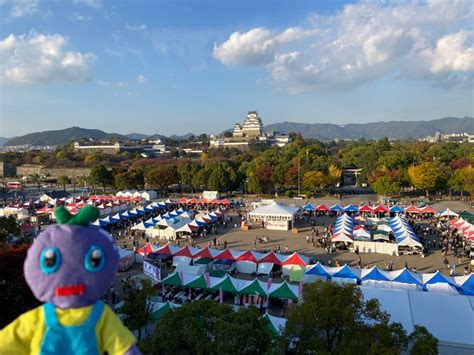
(141, 79)
(257, 46)
(81, 18)
(137, 28)
(23, 8)
(39, 58)
(96, 4)
(361, 43)
(118, 84)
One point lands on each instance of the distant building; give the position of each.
(147, 150)
(451, 137)
(250, 132)
(100, 148)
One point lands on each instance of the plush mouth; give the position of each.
(71, 290)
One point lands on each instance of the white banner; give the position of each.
(152, 270)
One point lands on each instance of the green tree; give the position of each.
(99, 175)
(386, 185)
(8, 228)
(253, 185)
(132, 179)
(207, 327)
(219, 179)
(335, 319)
(63, 180)
(161, 176)
(459, 180)
(136, 309)
(423, 342)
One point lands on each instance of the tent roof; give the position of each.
(207, 253)
(296, 259)
(247, 256)
(254, 287)
(322, 207)
(272, 257)
(275, 324)
(336, 207)
(396, 209)
(351, 208)
(405, 276)
(283, 291)
(412, 209)
(381, 208)
(225, 255)
(308, 207)
(173, 280)
(365, 208)
(319, 270)
(275, 209)
(373, 274)
(448, 213)
(345, 272)
(227, 284)
(198, 282)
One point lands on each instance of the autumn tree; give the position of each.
(161, 176)
(334, 175)
(313, 180)
(428, 176)
(99, 175)
(63, 180)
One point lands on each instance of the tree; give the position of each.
(207, 327)
(8, 228)
(161, 176)
(218, 179)
(99, 175)
(15, 294)
(386, 185)
(334, 175)
(423, 342)
(460, 178)
(428, 176)
(334, 318)
(136, 310)
(313, 180)
(63, 180)
(131, 179)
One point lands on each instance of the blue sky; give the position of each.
(173, 67)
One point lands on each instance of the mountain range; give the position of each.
(320, 131)
(376, 130)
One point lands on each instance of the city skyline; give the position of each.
(178, 67)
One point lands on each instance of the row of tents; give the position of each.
(375, 209)
(203, 201)
(393, 279)
(464, 227)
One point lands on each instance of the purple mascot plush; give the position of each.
(69, 267)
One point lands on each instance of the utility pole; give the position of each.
(299, 184)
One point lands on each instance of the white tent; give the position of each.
(276, 216)
(148, 195)
(126, 259)
(448, 213)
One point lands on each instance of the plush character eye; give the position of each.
(95, 259)
(50, 260)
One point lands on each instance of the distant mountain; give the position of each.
(376, 130)
(183, 137)
(137, 136)
(3, 140)
(62, 136)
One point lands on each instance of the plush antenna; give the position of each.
(86, 215)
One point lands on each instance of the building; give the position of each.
(450, 137)
(249, 133)
(99, 148)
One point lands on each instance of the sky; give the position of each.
(176, 66)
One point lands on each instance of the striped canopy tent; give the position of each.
(198, 282)
(173, 280)
(207, 253)
(405, 276)
(226, 284)
(374, 274)
(345, 272)
(187, 251)
(428, 210)
(412, 209)
(273, 258)
(396, 209)
(337, 208)
(322, 207)
(308, 207)
(318, 270)
(381, 209)
(147, 249)
(283, 290)
(448, 213)
(366, 208)
(360, 233)
(224, 202)
(296, 259)
(466, 283)
(255, 287)
(226, 254)
(167, 250)
(275, 324)
(351, 208)
(247, 256)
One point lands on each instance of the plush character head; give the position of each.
(72, 264)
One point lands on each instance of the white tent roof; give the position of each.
(449, 213)
(274, 209)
